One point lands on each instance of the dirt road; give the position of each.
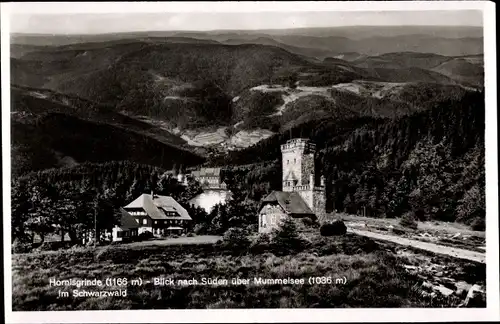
(202, 239)
(435, 248)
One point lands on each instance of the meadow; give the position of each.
(374, 277)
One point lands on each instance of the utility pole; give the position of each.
(95, 223)
(95, 227)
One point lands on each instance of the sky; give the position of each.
(202, 21)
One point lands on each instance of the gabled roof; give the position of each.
(291, 176)
(128, 221)
(150, 206)
(291, 202)
(207, 172)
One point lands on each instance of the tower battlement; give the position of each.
(299, 144)
(299, 173)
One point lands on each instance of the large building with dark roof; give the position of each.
(209, 178)
(300, 196)
(160, 215)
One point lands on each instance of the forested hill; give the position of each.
(431, 162)
(61, 140)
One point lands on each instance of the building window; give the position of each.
(287, 161)
(144, 221)
(122, 234)
(294, 161)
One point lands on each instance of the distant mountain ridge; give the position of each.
(206, 92)
(370, 40)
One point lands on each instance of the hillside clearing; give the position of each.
(373, 89)
(290, 95)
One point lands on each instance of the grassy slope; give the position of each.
(374, 277)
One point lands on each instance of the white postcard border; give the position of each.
(266, 315)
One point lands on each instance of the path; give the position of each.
(435, 248)
(203, 239)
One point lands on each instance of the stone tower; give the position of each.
(298, 174)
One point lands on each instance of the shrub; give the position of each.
(261, 243)
(409, 220)
(146, 235)
(286, 240)
(200, 229)
(135, 238)
(478, 224)
(49, 246)
(337, 227)
(21, 247)
(236, 240)
(399, 231)
(309, 222)
(252, 228)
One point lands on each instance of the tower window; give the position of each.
(294, 161)
(287, 161)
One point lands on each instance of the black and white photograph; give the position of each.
(249, 156)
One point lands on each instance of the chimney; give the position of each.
(311, 180)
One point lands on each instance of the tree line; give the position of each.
(77, 200)
(430, 162)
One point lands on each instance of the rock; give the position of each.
(335, 228)
(439, 274)
(443, 290)
(462, 286)
(439, 267)
(456, 235)
(475, 297)
(427, 284)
